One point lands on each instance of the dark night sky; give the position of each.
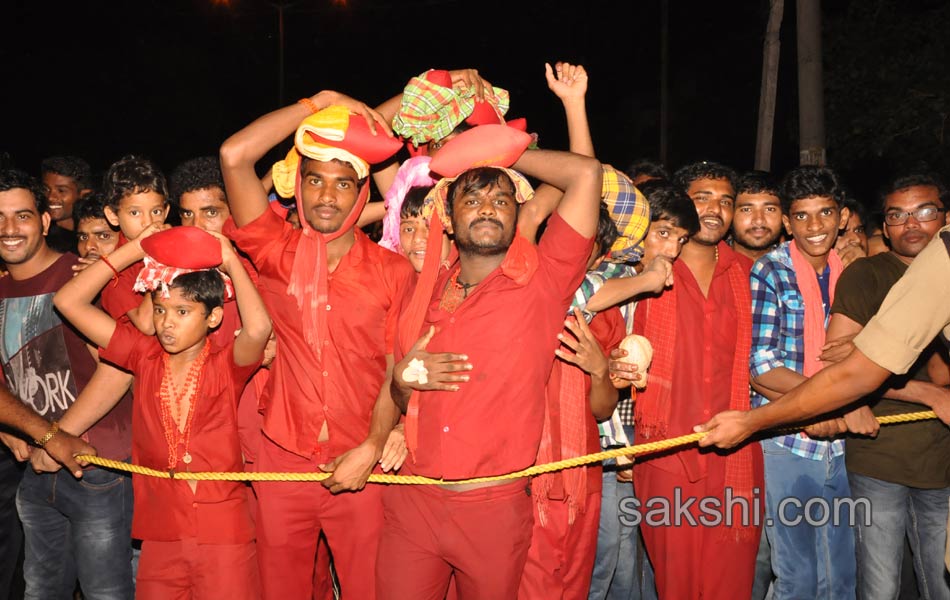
(172, 79)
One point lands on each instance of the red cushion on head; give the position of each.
(184, 248)
(482, 146)
(484, 114)
(361, 142)
(439, 77)
(521, 124)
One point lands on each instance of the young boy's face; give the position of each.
(413, 233)
(96, 238)
(136, 212)
(205, 209)
(181, 323)
(814, 222)
(663, 239)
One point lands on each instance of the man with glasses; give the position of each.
(903, 471)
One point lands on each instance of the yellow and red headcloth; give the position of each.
(484, 146)
(177, 251)
(330, 134)
(630, 212)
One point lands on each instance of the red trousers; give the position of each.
(696, 561)
(482, 536)
(291, 516)
(187, 570)
(561, 557)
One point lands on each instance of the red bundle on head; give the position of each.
(482, 146)
(184, 248)
(177, 251)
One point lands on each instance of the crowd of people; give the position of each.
(503, 306)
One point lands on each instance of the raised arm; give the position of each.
(570, 85)
(255, 322)
(579, 177)
(75, 300)
(241, 151)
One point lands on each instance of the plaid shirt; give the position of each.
(778, 327)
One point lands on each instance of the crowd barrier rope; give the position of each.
(636, 450)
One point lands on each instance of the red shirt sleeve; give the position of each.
(404, 281)
(563, 256)
(127, 346)
(261, 236)
(120, 298)
(608, 328)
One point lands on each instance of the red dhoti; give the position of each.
(481, 535)
(703, 560)
(187, 570)
(290, 518)
(561, 557)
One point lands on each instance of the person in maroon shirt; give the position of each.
(72, 528)
(701, 336)
(334, 296)
(198, 538)
(490, 326)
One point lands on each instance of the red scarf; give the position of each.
(563, 436)
(309, 275)
(653, 403)
(808, 287)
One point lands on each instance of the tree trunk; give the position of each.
(811, 113)
(664, 82)
(770, 58)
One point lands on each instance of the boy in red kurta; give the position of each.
(198, 539)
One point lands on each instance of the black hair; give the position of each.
(757, 182)
(477, 179)
(69, 166)
(195, 174)
(132, 175)
(686, 175)
(11, 179)
(607, 232)
(670, 203)
(858, 209)
(413, 202)
(912, 179)
(90, 206)
(205, 287)
(810, 181)
(650, 168)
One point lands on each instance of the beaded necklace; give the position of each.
(175, 422)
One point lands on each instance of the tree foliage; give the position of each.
(887, 83)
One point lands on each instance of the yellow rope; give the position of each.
(639, 449)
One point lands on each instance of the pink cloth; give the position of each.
(412, 173)
(814, 312)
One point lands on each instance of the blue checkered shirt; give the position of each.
(778, 327)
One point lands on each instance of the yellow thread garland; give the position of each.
(647, 448)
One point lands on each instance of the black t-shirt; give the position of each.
(911, 454)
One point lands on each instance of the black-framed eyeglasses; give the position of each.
(922, 215)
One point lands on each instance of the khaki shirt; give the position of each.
(915, 310)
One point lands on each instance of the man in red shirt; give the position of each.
(502, 304)
(334, 297)
(701, 335)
